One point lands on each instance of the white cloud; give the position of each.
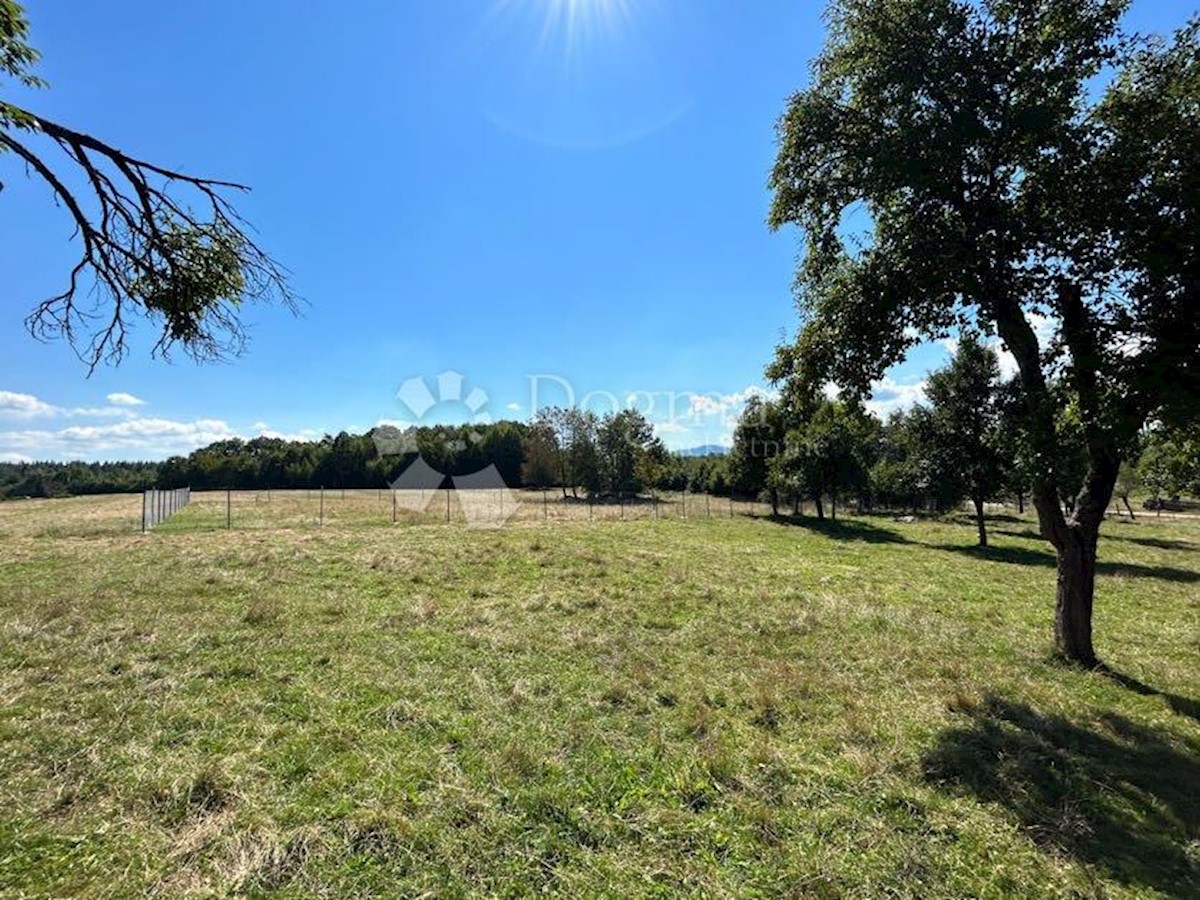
(888, 395)
(514, 407)
(24, 406)
(120, 398)
(15, 458)
(142, 438)
(728, 406)
(670, 428)
(14, 405)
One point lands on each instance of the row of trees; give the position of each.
(966, 443)
(969, 442)
(614, 456)
(50, 479)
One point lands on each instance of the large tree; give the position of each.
(144, 251)
(951, 166)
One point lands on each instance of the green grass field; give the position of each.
(712, 706)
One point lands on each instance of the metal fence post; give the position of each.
(144, 493)
(393, 506)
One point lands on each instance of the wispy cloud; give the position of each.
(120, 398)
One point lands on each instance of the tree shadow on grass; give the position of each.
(989, 518)
(1157, 543)
(1028, 533)
(1025, 556)
(1184, 706)
(1121, 796)
(843, 529)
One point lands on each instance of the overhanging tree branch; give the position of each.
(147, 252)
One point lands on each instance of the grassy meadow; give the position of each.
(661, 705)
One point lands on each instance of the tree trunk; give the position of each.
(1074, 535)
(795, 506)
(820, 507)
(1132, 517)
(833, 506)
(1021, 502)
(978, 501)
(1076, 589)
(774, 502)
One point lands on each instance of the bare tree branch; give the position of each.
(147, 253)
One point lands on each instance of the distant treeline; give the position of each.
(614, 455)
(50, 479)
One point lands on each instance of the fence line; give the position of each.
(479, 507)
(475, 507)
(158, 506)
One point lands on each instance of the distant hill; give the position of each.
(705, 450)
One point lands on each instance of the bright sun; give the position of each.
(582, 73)
(569, 23)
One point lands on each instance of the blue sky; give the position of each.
(571, 189)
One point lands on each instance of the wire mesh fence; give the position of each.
(478, 508)
(158, 506)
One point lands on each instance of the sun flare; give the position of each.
(568, 23)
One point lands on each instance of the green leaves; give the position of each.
(16, 59)
(16, 56)
(191, 273)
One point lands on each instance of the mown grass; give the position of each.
(727, 707)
